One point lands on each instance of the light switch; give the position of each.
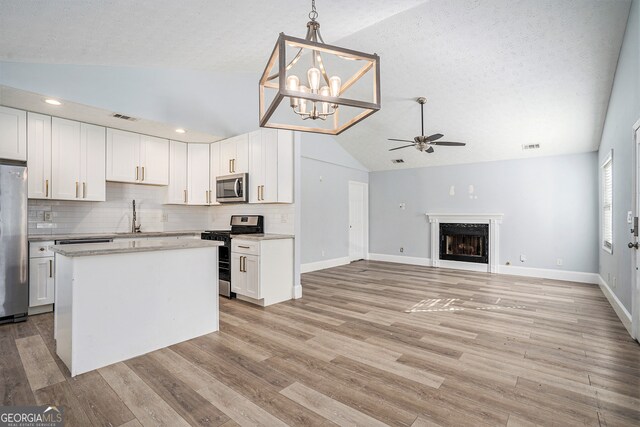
(629, 217)
(403, 206)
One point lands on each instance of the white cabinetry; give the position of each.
(39, 155)
(214, 171)
(262, 270)
(41, 277)
(136, 158)
(271, 166)
(198, 174)
(77, 161)
(177, 190)
(13, 134)
(234, 155)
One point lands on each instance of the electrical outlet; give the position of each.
(283, 218)
(403, 206)
(559, 261)
(401, 250)
(320, 178)
(48, 216)
(165, 217)
(629, 217)
(507, 263)
(323, 252)
(523, 258)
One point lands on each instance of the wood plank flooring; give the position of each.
(370, 343)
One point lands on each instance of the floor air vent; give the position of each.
(123, 117)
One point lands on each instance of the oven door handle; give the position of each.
(235, 187)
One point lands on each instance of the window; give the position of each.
(607, 203)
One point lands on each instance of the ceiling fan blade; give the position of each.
(401, 140)
(433, 137)
(404, 146)
(429, 150)
(450, 144)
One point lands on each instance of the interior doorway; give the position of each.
(358, 220)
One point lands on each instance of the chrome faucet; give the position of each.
(134, 228)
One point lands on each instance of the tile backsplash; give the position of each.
(114, 215)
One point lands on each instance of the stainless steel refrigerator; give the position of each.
(14, 276)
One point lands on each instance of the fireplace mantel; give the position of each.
(493, 219)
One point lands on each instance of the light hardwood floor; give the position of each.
(369, 344)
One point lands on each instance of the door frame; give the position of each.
(635, 262)
(365, 214)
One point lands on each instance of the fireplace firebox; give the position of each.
(464, 242)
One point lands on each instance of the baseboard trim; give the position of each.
(321, 265)
(400, 259)
(297, 292)
(623, 314)
(547, 273)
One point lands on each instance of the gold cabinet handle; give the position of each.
(210, 196)
(258, 193)
(244, 247)
(46, 188)
(230, 170)
(233, 164)
(206, 195)
(77, 186)
(84, 190)
(136, 173)
(142, 174)
(262, 193)
(185, 196)
(50, 268)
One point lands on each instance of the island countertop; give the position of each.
(259, 237)
(121, 235)
(78, 250)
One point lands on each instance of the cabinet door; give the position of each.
(123, 156)
(13, 134)
(214, 171)
(92, 163)
(241, 160)
(154, 160)
(65, 159)
(41, 281)
(227, 154)
(39, 155)
(285, 166)
(256, 166)
(177, 190)
(269, 193)
(198, 174)
(238, 277)
(252, 276)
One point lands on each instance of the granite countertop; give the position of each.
(259, 237)
(48, 237)
(92, 249)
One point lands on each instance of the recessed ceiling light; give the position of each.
(180, 130)
(52, 101)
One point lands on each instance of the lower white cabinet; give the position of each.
(262, 270)
(41, 282)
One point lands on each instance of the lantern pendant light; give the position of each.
(305, 96)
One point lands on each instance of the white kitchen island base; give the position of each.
(115, 306)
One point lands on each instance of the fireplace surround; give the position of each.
(464, 242)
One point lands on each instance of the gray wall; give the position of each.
(325, 201)
(623, 112)
(549, 206)
(224, 104)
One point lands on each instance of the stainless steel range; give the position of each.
(240, 224)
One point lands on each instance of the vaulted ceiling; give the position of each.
(497, 73)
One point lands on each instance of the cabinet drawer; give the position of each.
(40, 249)
(245, 247)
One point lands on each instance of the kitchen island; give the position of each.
(115, 301)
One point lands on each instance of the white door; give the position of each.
(256, 166)
(65, 159)
(41, 281)
(92, 162)
(177, 190)
(123, 156)
(154, 160)
(635, 303)
(358, 200)
(238, 276)
(214, 171)
(39, 155)
(13, 134)
(270, 165)
(198, 174)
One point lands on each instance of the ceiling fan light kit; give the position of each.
(306, 97)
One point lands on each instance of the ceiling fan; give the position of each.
(425, 143)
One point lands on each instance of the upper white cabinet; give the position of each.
(234, 155)
(271, 166)
(177, 190)
(77, 161)
(198, 177)
(136, 158)
(214, 171)
(39, 155)
(13, 134)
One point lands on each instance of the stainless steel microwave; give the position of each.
(232, 188)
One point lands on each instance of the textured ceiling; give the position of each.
(497, 73)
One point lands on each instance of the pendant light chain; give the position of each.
(314, 13)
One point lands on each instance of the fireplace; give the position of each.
(464, 242)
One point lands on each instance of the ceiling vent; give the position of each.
(397, 161)
(530, 146)
(123, 117)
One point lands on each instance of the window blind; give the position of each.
(607, 204)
